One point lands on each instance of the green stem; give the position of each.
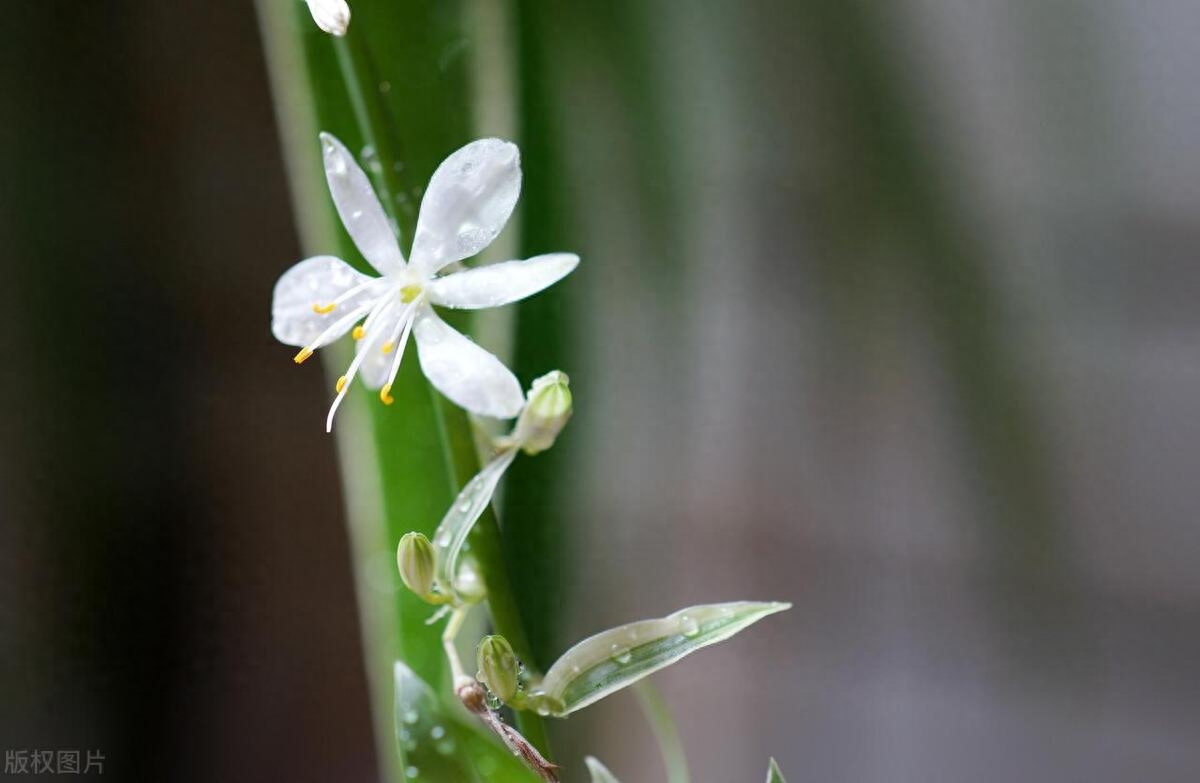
(459, 447)
(658, 714)
(362, 85)
(453, 427)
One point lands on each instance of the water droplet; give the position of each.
(411, 772)
(620, 654)
(385, 87)
(689, 625)
(410, 716)
(442, 538)
(445, 747)
(464, 507)
(370, 159)
(437, 732)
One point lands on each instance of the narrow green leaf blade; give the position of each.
(600, 773)
(464, 512)
(773, 773)
(619, 657)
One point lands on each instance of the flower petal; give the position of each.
(467, 203)
(316, 281)
(332, 16)
(359, 207)
(470, 376)
(499, 284)
(375, 365)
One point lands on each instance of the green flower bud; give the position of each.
(418, 563)
(547, 408)
(499, 669)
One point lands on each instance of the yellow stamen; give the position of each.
(388, 346)
(304, 354)
(409, 293)
(321, 309)
(358, 333)
(385, 394)
(341, 383)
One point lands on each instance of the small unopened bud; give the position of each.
(332, 16)
(498, 667)
(547, 408)
(418, 563)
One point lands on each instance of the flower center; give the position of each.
(410, 292)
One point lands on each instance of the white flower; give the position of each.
(468, 201)
(332, 16)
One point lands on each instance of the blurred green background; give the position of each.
(886, 309)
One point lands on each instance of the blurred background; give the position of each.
(887, 309)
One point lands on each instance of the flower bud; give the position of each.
(547, 408)
(499, 669)
(417, 562)
(332, 16)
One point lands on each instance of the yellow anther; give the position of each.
(304, 354)
(388, 346)
(341, 383)
(409, 293)
(321, 309)
(385, 394)
(358, 333)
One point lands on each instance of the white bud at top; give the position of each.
(547, 408)
(332, 16)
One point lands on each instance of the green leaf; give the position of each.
(434, 744)
(600, 773)
(773, 773)
(619, 657)
(464, 512)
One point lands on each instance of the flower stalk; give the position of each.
(453, 426)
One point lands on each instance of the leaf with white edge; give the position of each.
(619, 657)
(452, 533)
(773, 774)
(600, 773)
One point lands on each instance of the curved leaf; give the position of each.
(464, 513)
(773, 773)
(614, 659)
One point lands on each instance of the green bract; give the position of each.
(467, 508)
(773, 773)
(614, 659)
